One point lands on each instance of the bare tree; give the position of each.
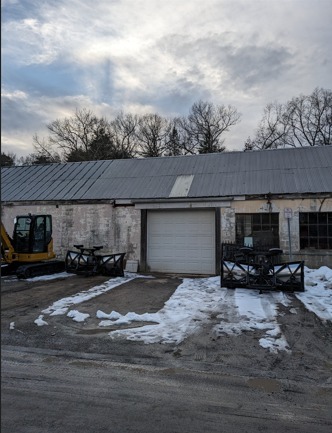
(273, 129)
(310, 119)
(302, 121)
(84, 136)
(206, 124)
(43, 149)
(124, 128)
(80, 137)
(152, 135)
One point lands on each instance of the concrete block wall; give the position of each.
(117, 229)
(289, 239)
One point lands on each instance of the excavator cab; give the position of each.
(32, 234)
(30, 251)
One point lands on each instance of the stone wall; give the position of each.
(289, 238)
(116, 228)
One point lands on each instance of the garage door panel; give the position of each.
(181, 241)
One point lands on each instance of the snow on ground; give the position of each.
(317, 295)
(63, 305)
(190, 307)
(10, 278)
(198, 301)
(251, 311)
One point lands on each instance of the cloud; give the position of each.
(25, 115)
(148, 56)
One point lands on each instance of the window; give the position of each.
(263, 228)
(316, 230)
(42, 233)
(21, 235)
(38, 242)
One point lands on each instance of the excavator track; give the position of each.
(39, 269)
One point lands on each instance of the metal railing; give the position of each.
(88, 261)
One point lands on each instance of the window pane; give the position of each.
(322, 230)
(312, 218)
(323, 243)
(265, 220)
(304, 243)
(256, 219)
(313, 230)
(322, 218)
(303, 230)
(313, 242)
(303, 218)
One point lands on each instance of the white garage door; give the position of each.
(181, 241)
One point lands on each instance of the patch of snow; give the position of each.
(112, 316)
(40, 322)
(77, 316)
(61, 306)
(190, 306)
(201, 301)
(50, 277)
(317, 296)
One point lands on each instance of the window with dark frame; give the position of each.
(262, 227)
(315, 230)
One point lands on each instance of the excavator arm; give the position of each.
(8, 254)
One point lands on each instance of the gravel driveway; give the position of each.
(23, 301)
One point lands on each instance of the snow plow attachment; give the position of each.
(85, 261)
(262, 270)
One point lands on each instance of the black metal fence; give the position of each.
(260, 268)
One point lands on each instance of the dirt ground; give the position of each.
(310, 339)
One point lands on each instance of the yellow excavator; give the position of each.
(29, 252)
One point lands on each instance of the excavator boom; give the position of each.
(8, 254)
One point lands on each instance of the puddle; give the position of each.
(267, 385)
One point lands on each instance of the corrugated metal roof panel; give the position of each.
(300, 170)
(131, 188)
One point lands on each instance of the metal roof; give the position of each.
(282, 171)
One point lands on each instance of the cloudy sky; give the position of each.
(157, 56)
